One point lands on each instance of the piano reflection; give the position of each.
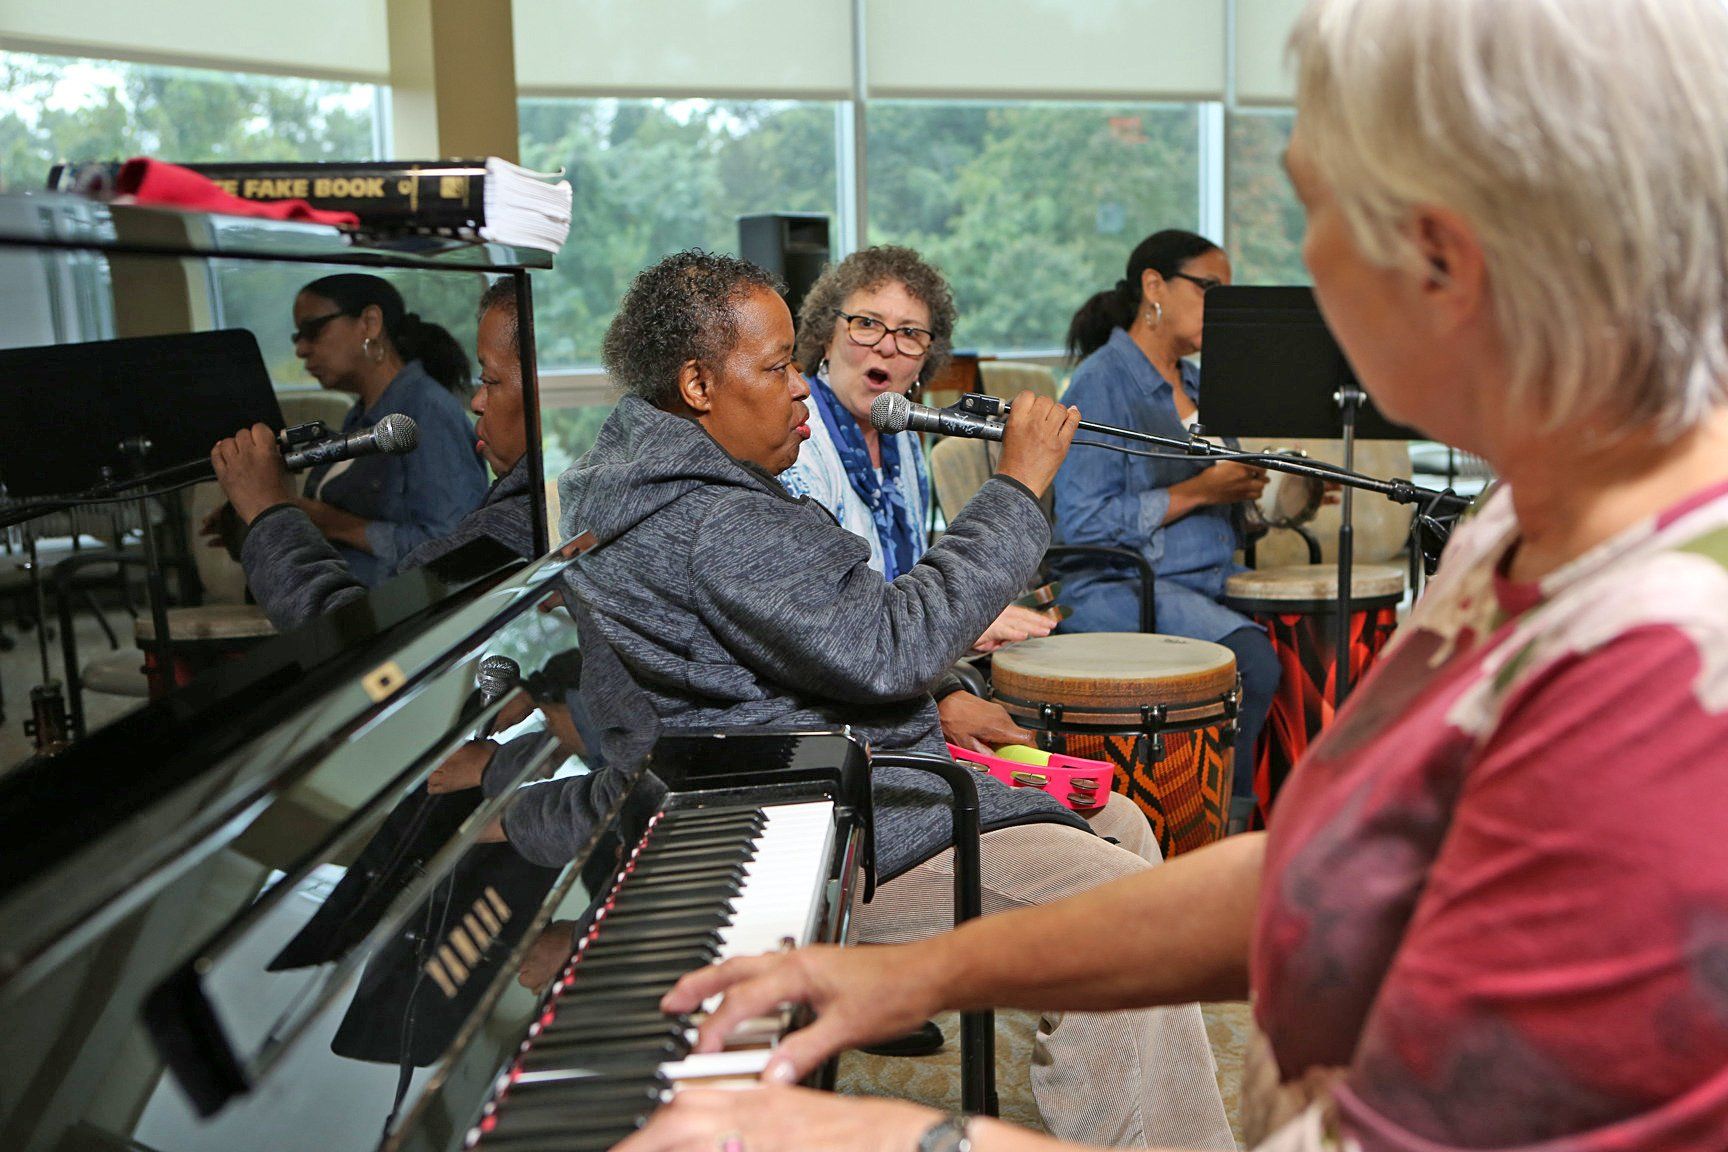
(244, 916)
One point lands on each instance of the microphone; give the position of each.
(392, 436)
(894, 413)
(497, 675)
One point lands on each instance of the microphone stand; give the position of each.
(1443, 501)
(138, 448)
(1348, 398)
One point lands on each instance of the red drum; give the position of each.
(1298, 607)
(201, 638)
(1161, 710)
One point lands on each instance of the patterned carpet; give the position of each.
(935, 1080)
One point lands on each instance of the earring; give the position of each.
(374, 349)
(1157, 313)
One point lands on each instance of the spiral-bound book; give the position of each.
(491, 199)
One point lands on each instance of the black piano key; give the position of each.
(661, 976)
(690, 925)
(666, 904)
(701, 834)
(610, 1059)
(592, 1140)
(672, 901)
(713, 874)
(692, 861)
(715, 812)
(696, 953)
(575, 1028)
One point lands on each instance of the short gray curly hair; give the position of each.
(1587, 150)
(681, 309)
(871, 268)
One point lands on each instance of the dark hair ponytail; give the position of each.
(1166, 253)
(437, 351)
(412, 337)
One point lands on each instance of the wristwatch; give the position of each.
(947, 1135)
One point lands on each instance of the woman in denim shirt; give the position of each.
(1183, 515)
(355, 335)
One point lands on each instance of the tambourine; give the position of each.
(1288, 499)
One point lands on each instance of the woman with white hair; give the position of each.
(1493, 911)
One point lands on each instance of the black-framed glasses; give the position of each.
(1204, 283)
(867, 332)
(310, 329)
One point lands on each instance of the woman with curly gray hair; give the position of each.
(882, 320)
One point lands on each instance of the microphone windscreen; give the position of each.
(890, 413)
(497, 675)
(396, 434)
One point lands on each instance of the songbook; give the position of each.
(489, 199)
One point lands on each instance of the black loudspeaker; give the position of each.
(791, 245)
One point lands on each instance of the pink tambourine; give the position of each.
(1083, 785)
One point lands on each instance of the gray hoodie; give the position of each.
(733, 604)
(295, 574)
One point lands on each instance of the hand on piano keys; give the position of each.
(858, 995)
(705, 885)
(781, 1119)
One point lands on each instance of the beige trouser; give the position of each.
(1121, 1079)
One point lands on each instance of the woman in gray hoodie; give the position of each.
(731, 603)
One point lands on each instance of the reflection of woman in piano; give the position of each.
(732, 604)
(1490, 910)
(355, 335)
(295, 573)
(882, 320)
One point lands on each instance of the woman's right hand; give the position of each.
(1225, 482)
(1039, 433)
(858, 995)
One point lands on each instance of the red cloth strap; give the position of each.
(169, 185)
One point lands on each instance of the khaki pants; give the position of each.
(1120, 1079)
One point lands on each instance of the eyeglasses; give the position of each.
(310, 329)
(867, 332)
(1204, 283)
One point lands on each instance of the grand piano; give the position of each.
(239, 918)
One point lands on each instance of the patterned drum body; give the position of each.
(1160, 709)
(1298, 607)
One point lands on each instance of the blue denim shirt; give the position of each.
(414, 497)
(1106, 497)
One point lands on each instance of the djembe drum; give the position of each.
(1160, 709)
(201, 637)
(1298, 607)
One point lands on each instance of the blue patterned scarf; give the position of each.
(894, 528)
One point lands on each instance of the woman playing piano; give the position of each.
(734, 604)
(1492, 911)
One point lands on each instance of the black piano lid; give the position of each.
(91, 824)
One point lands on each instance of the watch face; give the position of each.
(947, 1136)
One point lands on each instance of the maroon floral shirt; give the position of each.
(1497, 887)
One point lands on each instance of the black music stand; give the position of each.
(1272, 368)
(78, 416)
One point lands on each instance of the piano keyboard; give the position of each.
(703, 885)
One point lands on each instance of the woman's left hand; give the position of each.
(978, 725)
(1015, 623)
(778, 1119)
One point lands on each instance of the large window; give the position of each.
(64, 108)
(654, 176)
(1265, 216)
(1028, 208)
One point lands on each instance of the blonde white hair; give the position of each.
(1586, 144)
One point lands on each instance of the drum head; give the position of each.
(1315, 584)
(1113, 669)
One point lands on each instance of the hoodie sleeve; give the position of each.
(795, 599)
(292, 570)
